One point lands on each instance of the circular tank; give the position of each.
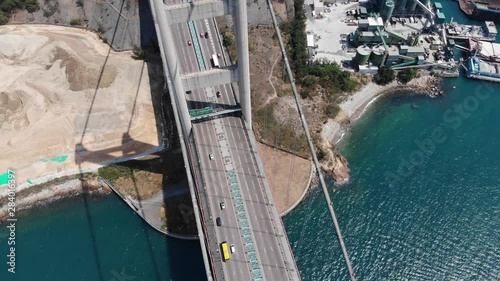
(377, 55)
(387, 9)
(362, 55)
(411, 7)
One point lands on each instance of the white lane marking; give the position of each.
(225, 233)
(230, 207)
(217, 47)
(180, 38)
(186, 51)
(203, 44)
(257, 184)
(210, 35)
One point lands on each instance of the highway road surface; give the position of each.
(224, 146)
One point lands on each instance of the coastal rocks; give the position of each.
(427, 85)
(52, 191)
(336, 165)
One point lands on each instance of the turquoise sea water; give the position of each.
(424, 199)
(99, 239)
(439, 220)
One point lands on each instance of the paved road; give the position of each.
(227, 140)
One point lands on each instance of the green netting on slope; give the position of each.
(4, 178)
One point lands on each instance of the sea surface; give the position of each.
(422, 204)
(95, 239)
(424, 199)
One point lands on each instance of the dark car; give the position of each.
(218, 221)
(218, 94)
(206, 34)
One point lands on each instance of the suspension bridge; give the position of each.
(212, 108)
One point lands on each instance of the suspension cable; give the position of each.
(311, 146)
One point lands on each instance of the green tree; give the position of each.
(9, 5)
(31, 5)
(406, 75)
(3, 18)
(384, 76)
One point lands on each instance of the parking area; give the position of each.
(330, 30)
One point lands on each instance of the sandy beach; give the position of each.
(358, 103)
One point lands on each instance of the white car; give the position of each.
(232, 248)
(211, 156)
(222, 205)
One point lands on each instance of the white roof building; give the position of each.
(310, 40)
(318, 6)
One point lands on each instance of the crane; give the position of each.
(426, 9)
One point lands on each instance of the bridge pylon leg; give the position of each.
(241, 24)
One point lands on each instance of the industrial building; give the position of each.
(479, 69)
(401, 8)
(371, 31)
(318, 5)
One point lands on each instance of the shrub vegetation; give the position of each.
(309, 73)
(406, 75)
(384, 76)
(7, 7)
(75, 22)
(138, 52)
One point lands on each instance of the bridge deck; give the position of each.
(227, 168)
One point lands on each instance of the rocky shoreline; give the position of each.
(52, 191)
(353, 108)
(334, 163)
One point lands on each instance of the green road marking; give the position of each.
(44, 160)
(196, 43)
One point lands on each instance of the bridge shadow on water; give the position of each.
(183, 258)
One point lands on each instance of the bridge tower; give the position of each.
(188, 11)
(243, 60)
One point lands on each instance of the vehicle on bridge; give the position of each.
(225, 251)
(215, 61)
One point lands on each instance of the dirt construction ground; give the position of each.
(68, 103)
(287, 174)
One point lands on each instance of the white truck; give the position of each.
(215, 61)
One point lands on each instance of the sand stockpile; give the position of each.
(67, 103)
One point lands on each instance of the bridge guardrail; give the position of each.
(270, 200)
(203, 201)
